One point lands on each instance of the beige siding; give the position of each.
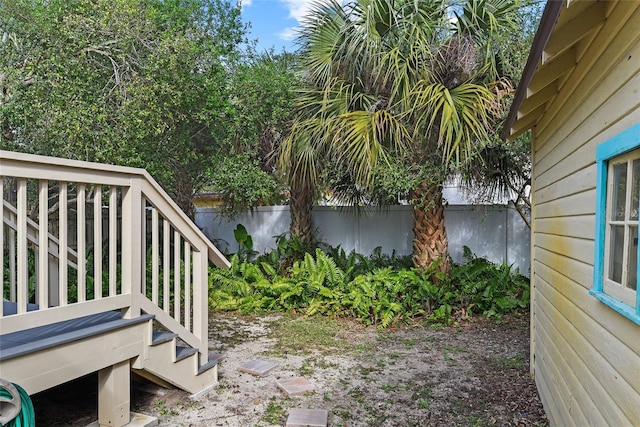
(586, 357)
(568, 226)
(566, 185)
(579, 204)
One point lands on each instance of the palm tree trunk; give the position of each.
(301, 205)
(429, 234)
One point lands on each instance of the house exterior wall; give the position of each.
(585, 356)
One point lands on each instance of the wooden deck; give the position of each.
(41, 338)
(92, 256)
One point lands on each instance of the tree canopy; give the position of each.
(142, 83)
(261, 89)
(393, 93)
(399, 88)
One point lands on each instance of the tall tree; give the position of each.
(135, 82)
(261, 105)
(502, 170)
(398, 82)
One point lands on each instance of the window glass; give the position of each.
(635, 191)
(616, 254)
(619, 191)
(633, 259)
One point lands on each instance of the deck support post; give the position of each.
(114, 395)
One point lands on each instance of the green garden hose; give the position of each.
(16, 409)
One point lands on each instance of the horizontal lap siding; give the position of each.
(580, 204)
(568, 226)
(560, 186)
(585, 356)
(567, 247)
(566, 315)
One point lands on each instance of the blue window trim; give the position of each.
(624, 142)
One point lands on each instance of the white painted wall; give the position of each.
(495, 232)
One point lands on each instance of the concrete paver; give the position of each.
(258, 367)
(307, 418)
(295, 386)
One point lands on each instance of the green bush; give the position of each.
(383, 296)
(488, 289)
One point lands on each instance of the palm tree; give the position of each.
(410, 80)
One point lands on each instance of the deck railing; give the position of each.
(80, 238)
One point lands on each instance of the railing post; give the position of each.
(132, 267)
(113, 239)
(201, 301)
(97, 241)
(23, 268)
(63, 246)
(1, 242)
(81, 241)
(43, 245)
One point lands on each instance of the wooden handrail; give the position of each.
(161, 200)
(131, 195)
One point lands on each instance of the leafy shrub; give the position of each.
(318, 284)
(486, 288)
(288, 250)
(245, 243)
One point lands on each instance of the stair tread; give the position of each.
(184, 352)
(214, 359)
(159, 337)
(204, 368)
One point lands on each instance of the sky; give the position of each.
(273, 22)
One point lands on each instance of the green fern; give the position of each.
(316, 284)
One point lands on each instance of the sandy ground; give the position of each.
(473, 374)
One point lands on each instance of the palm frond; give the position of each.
(481, 20)
(363, 138)
(385, 76)
(321, 37)
(460, 114)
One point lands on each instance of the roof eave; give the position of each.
(545, 28)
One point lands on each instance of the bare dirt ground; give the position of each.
(472, 374)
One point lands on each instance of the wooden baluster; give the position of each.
(81, 241)
(113, 240)
(97, 241)
(176, 276)
(143, 249)
(23, 253)
(187, 286)
(43, 245)
(154, 255)
(12, 265)
(166, 270)
(63, 250)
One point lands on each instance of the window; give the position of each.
(616, 243)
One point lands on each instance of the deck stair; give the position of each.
(167, 361)
(92, 258)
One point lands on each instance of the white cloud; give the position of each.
(298, 9)
(289, 33)
(245, 3)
